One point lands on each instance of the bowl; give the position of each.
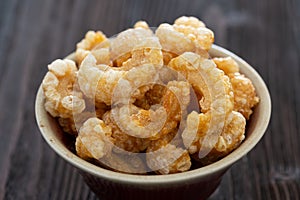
(194, 184)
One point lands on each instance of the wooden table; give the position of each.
(33, 33)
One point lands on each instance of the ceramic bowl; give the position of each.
(195, 184)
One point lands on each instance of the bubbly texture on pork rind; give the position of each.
(151, 100)
(94, 139)
(60, 98)
(245, 97)
(91, 40)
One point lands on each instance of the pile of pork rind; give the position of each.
(150, 100)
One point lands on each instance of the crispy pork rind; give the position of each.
(123, 140)
(173, 41)
(125, 42)
(158, 120)
(196, 31)
(60, 99)
(91, 40)
(141, 24)
(189, 21)
(94, 140)
(147, 51)
(73, 124)
(245, 98)
(227, 64)
(216, 96)
(102, 83)
(230, 138)
(187, 34)
(169, 159)
(152, 97)
(165, 156)
(207, 81)
(138, 122)
(96, 82)
(175, 101)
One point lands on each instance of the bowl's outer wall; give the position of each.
(108, 190)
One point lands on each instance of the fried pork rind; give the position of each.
(94, 140)
(60, 99)
(91, 40)
(175, 101)
(169, 159)
(125, 42)
(216, 95)
(141, 24)
(73, 124)
(166, 155)
(152, 97)
(173, 41)
(232, 135)
(110, 85)
(98, 82)
(138, 122)
(202, 37)
(245, 98)
(228, 65)
(207, 81)
(123, 140)
(187, 34)
(148, 51)
(189, 21)
(159, 119)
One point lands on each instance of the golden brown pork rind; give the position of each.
(60, 99)
(245, 98)
(91, 40)
(94, 139)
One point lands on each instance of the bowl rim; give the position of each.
(203, 172)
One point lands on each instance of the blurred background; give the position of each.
(266, 33)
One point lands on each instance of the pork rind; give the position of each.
(141, 24)
(230, 138)
(196, 31)
(173, 41)
(147, 51)
(175, 101)
(227, 64)
(60, 99)
(91, 40)
(245, 97)
(168, 159)
(123, 140)
(96, 82)
(94, 139)
(73, 124)
(123, 44)
(216, 96)
(187, 34)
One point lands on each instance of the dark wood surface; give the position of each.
(266, 33)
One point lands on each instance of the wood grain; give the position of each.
(266, 33)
